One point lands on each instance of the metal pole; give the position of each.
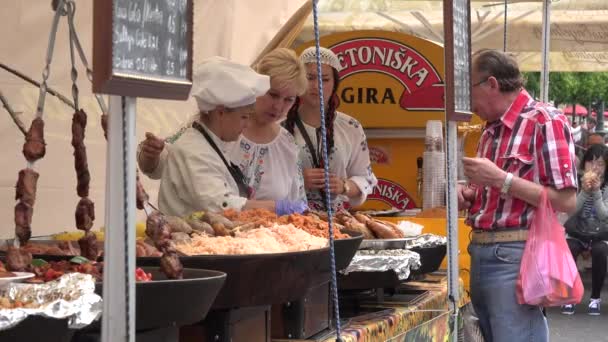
(452, 221)
(118, 322)
(457, 51)
(546, 40)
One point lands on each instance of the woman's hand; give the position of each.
(150, 152)
(591, 182)
(315, 179)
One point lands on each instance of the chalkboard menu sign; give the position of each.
(457, 59)
(143, 48)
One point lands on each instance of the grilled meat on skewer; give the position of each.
(25, 190)
(85, 214)
(104, 124)
(171, 266)
(23, 221)
(35, 147)
(82, 170)
(140, 193)
(18, 259)
(157, 229)
(79, 123)
(88, 246)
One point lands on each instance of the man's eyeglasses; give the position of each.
(480, 82)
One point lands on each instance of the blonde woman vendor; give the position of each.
(266, 153)
(197, 174)
(351, 176)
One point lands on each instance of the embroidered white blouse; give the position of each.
(349, 159)
(195, 178)
(273, 170)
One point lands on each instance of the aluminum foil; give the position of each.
(399, 260)
(71, 296)
(426, 241)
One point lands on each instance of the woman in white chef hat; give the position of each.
(198, 174)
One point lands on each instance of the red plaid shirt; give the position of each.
(532, 141)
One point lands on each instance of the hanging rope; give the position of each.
(504, 43)
(332, 254)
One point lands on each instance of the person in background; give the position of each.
(265, 153)
(525, 146)
(589, 140)
(351, 177)
(591, 123)
(594, 139)
(198, 175)
(592, 207)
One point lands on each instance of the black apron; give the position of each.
(317, 160)
(235, 171)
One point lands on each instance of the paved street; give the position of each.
(580, 327)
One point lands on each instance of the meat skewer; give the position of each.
(85, 209)
(159, 231)
(88, 246)
(18, 259)
(140, 194)
(34, 147)
(157, 227)
(23, 222)
(25, 190)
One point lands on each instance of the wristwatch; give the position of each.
(506, 186)
(345, 186)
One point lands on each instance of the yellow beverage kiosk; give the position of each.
(393, 83)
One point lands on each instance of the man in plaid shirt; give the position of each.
(525, 146)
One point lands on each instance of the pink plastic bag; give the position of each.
(548, 275)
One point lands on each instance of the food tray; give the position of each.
(347, 248)
(258, 279)
(261, 279)
(33, 328)
(163, 302)
(382, 244)
(430, 258)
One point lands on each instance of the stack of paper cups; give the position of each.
(433, 187)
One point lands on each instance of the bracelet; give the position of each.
(345, 187)
(506, 186)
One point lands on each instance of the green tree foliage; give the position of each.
(571, 87)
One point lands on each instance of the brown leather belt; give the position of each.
(489, 236)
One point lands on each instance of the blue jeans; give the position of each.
(494, 271)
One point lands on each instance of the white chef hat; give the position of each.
(327, 57)
(219, 81)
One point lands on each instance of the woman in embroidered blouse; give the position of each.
(351, 176)
(266, 153)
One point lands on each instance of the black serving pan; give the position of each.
(347, 248)
(345, 251)
(259, 279)
(430, 258)
(163, 302)
(262, 279)
(266, 279)
(34, 327)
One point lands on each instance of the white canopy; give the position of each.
(240, 30)
(579, 28)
